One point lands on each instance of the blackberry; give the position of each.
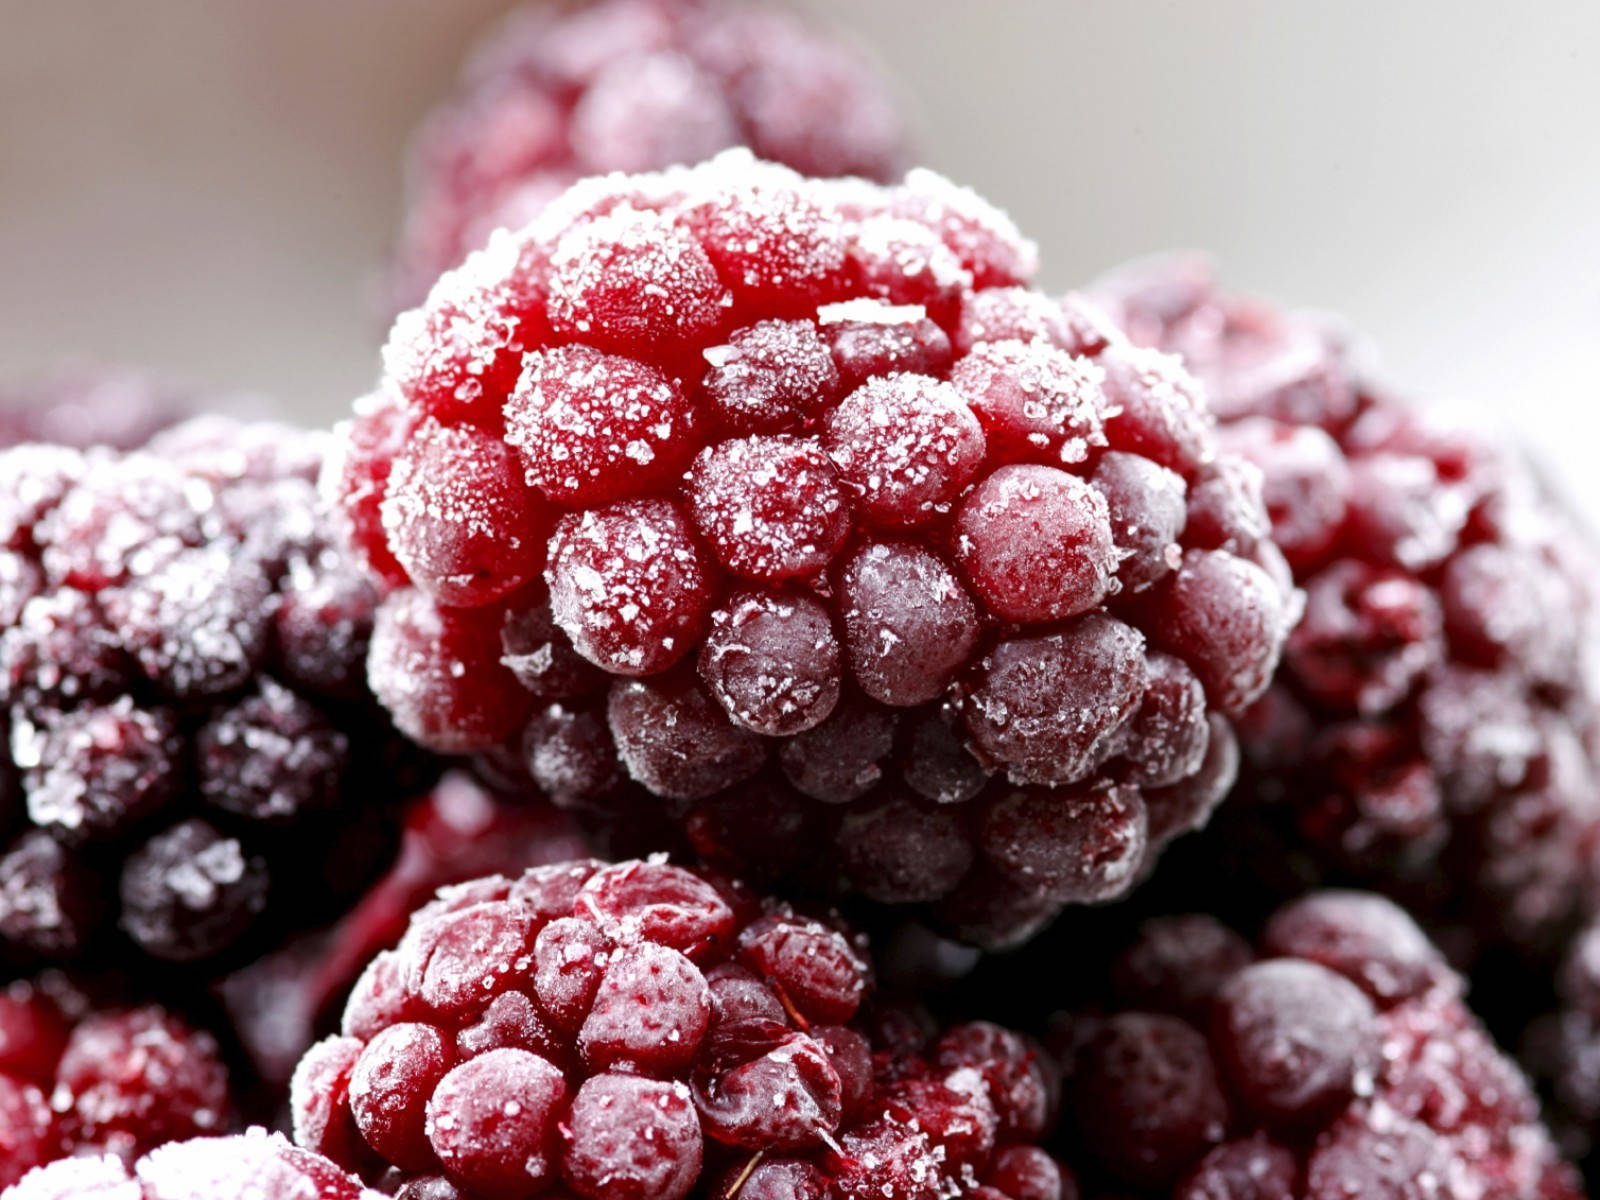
(1432, 733)
(640, 1030)
(776, 479)
(80, 1079)
(194, 765)
(83, 408)
(253, 1163)
(633, 85)
(1335, 1058)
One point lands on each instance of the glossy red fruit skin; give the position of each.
(804, 510)
(183, 666)
(637, 85)
(1310, 1064)
(638, 1029)
(1431, 734)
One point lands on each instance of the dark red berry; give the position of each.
(1208, 1073)
(819, 454)
(637, 1030)
(1447, 594)
(185, 681)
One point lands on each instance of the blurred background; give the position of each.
(209, 190)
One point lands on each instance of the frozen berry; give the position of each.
(189, 721)
(635, 85)
(630, 585)
(906, 446)
(771, 508)
(458, 520)
(118, 1080)
(1300, 1077)
(1036, 544)
(1448, 590)
(823, 467)
(253, 1163)
(772, 662)
(668, 1035)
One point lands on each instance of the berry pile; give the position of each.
(1336, 1060)
(193, 760)
(123, 410)
(633, 85)
(247, 1166)
(1433, 733)
(862, 559)
(636, 1031)
(77, 1079)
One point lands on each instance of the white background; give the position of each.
(208, 188)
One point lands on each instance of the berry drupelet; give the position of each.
(1433, 732)
(1335, 1059)
(78, 1079)
(249, 1166)
(638, 1031)
(865, 563)
(558, 93)
(193, 761)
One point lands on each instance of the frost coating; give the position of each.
(182, 664)
(808, 459)
(254, 1165)
(76, 1079)
(1433, 724)
(1336, 1058)
(642, 1031)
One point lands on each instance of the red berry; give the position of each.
(629, 585)
(905, 447)
(909, 625)
(635, 85)
(771, 508)
(821, 455)
(458, 518)
(649, 1032)
(1208, 1073)
(593, 427)
(1447, 591)
(772, 662)
(1036, 544)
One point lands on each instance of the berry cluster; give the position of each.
(182, 656)
(633, 85)
(247, 1166)
(788, 495)
(123, 410)
(637, 1031)
(1433, 733)
(77, 1079)
(1335, 1060)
